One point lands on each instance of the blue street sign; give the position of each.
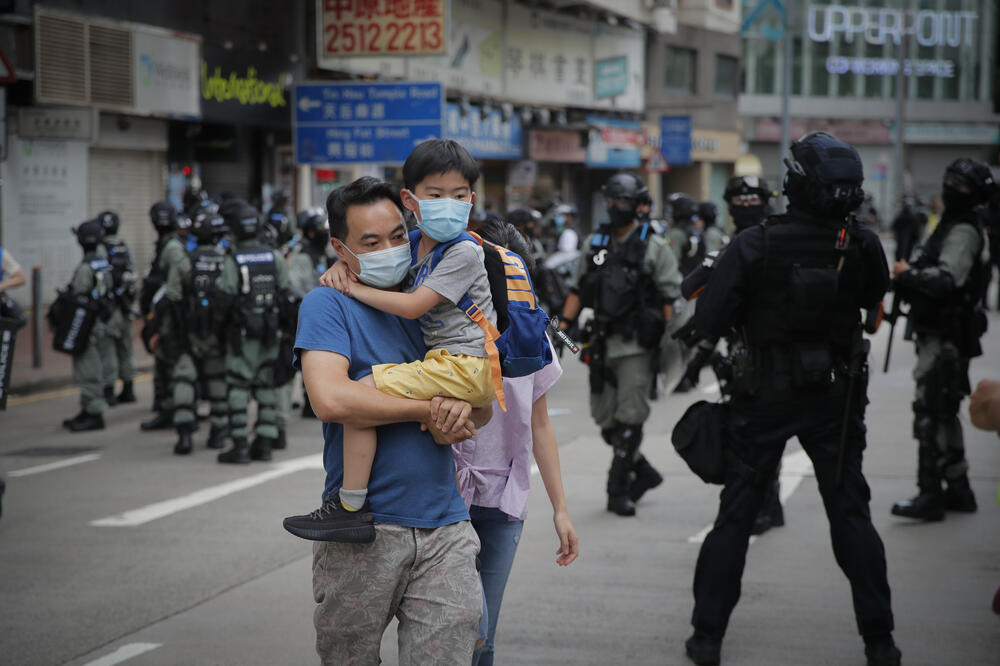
(345, 123)
(492, 138)
(675, 139)
(613, 143)
(768, 30)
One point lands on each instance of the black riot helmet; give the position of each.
(314, 221)
(627, 192)
(967, 184)
(276, 229)
(208, 226)
(241, 218)
(163, 216)
(110, 221)
(683, 209)
(824, 176)
(708, 212)
(747, 198)
(89, 234)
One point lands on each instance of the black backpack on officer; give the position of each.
(120, 259)
(257, 299)
(206, 267)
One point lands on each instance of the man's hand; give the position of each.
(668, 311)
(984, 405)
(154, 342)
(450, 420)
(900, 266)
(339, 277)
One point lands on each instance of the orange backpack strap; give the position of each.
(491, 334)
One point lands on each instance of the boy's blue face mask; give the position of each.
(384, 268)
(443, 219)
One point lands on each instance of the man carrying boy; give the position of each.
(421, 567)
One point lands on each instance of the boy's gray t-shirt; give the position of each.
(460, 271)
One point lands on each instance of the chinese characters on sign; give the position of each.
(344, 123)
(382, 27)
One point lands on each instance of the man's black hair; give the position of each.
(362, 192)
(507, 235)
(436, 156)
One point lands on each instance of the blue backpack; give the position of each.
(517, 346)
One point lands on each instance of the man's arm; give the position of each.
(336, 398)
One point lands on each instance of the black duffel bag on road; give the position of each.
(699, 438)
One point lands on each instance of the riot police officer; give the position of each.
(309, 258)
(123, 289)
(794, 289)
(715, 238)
(169, 252)
(277, 233)
(944, 288)
(189, 335)
(92, 278)
(252, 286)
(685, 233)
(629, 276)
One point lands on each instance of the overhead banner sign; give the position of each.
(167, 73)
(675, 139)
(380, 27)
(350, 123)
(613, 143)
(486, 138)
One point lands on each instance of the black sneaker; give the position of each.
(703, 651)
(883, 653)
(332, 522)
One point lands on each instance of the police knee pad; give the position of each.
(628, 438)
(924, 426)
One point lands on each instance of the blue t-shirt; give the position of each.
(413, 479)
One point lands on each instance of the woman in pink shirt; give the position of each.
(494, 472)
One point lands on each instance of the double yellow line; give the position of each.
(59, 393)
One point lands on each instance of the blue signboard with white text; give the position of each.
(675, 139)
(491, 138)
(348, 123)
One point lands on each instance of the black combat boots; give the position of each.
(127, 394)
(83, 422)
(239, 454)
(619, 501)
(109, 396)
(881, 650)
(281, 443)
(703, 651)
(162, 421)
(217, 437)
(261, 448)
(646, 478)
(928, 505)
(184, 444)
(959, 496)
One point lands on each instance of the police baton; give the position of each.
(859, 355)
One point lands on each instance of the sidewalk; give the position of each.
(57, 368)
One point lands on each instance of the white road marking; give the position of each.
(124, 653)
(59, 464)
(152, 512)
(711, 388)
(794, 467)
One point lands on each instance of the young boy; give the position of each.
(438, 177)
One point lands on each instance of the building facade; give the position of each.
(845, 61)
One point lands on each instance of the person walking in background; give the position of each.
(494, 471)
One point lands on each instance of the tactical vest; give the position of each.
(693, 253)
(206, 267)
(803, 311)
(958, 317)
(257, 299)
(103, 278)
(625, 300)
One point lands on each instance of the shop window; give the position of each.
(727, 70)
(680, 70)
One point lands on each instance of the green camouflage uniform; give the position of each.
(250, 360)
(90, 367)
(120, 329)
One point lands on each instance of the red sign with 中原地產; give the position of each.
(381, 27)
